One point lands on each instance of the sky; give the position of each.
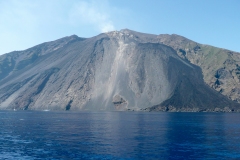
(26, 23)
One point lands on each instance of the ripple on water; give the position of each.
(119, 135)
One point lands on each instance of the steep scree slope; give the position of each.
(119, 70)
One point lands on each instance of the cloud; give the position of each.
(16, 21)
(92, 13)
(26, 23)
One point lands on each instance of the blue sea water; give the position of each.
(119, 135)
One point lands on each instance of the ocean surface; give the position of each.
(119, 135)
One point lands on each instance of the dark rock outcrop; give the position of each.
(119, 102)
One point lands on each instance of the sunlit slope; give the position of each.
(220, 67)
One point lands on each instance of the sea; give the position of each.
(118, 135)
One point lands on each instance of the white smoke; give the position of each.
(92, 13)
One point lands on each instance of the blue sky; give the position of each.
(26, 23)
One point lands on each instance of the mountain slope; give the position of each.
(220, 67)
(18, 60)
(120, 70)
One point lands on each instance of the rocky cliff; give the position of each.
(119, 70)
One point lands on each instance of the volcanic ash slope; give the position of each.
(112, 71)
